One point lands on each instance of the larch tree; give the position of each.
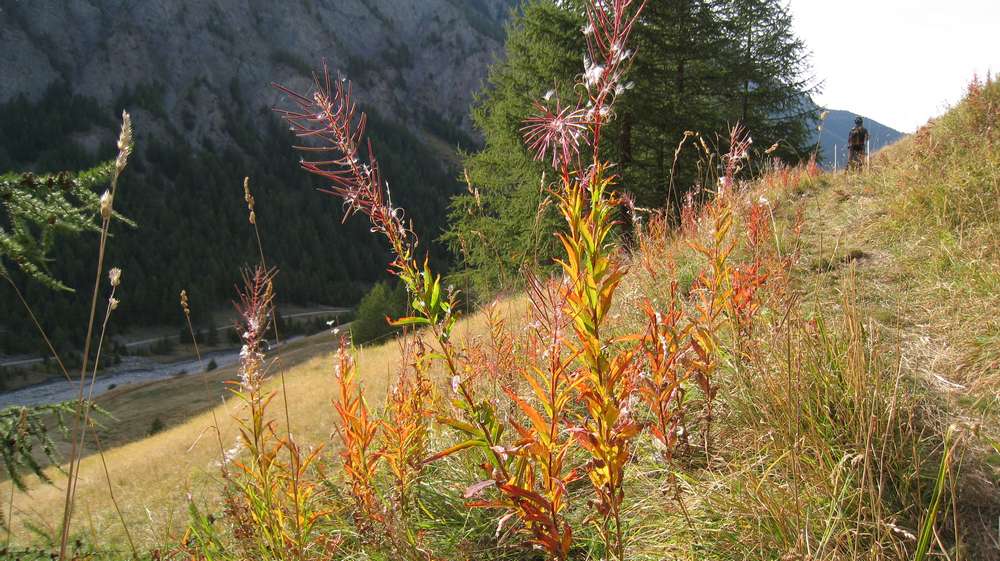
(770, 75)
(496, 226)
(700, 65)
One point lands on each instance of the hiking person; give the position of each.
(857, 142)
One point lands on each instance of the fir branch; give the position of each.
(34, 208)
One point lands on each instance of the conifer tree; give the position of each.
(495, 227)
(34, 208)
(701, 65)
(681, 56)
(770, 74)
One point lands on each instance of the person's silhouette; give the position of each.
(857, 145)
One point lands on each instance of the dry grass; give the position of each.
(924, 217)
(905, 252)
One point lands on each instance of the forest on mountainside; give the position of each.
(191, 219)
(196, 79)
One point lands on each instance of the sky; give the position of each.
(913, 60)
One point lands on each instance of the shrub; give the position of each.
(156, 426)
(371, 322)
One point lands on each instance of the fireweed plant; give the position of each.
(574, 388)
(272, 499)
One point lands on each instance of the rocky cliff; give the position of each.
(413, 59)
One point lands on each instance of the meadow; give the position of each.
(801, 365)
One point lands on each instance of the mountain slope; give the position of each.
(405, 56)
(196, 78)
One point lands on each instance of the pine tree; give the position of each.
(770, 74)
(701, 65)
(496, 227)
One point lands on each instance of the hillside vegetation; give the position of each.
(844, 404)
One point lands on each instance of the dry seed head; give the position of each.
(248, 197)
(246, 193)
(115, 276)
(106, 202)
(184, 303)
(269, 292)
(125, 142)
(112, 303)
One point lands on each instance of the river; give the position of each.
(132, 370)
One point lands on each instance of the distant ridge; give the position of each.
(838, 124)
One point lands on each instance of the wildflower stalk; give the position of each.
(587, 202)
(270, 505)
(537, 492)
(715, 291)
(125, 145)
(23, 421)
(115, 275)
(259, 484)
(292, 448)
(330, 116)
(666, 346)
(186, 308)
(404, 431)
(358, 432)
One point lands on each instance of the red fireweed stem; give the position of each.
(447, 351)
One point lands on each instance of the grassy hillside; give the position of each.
(872, 362)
